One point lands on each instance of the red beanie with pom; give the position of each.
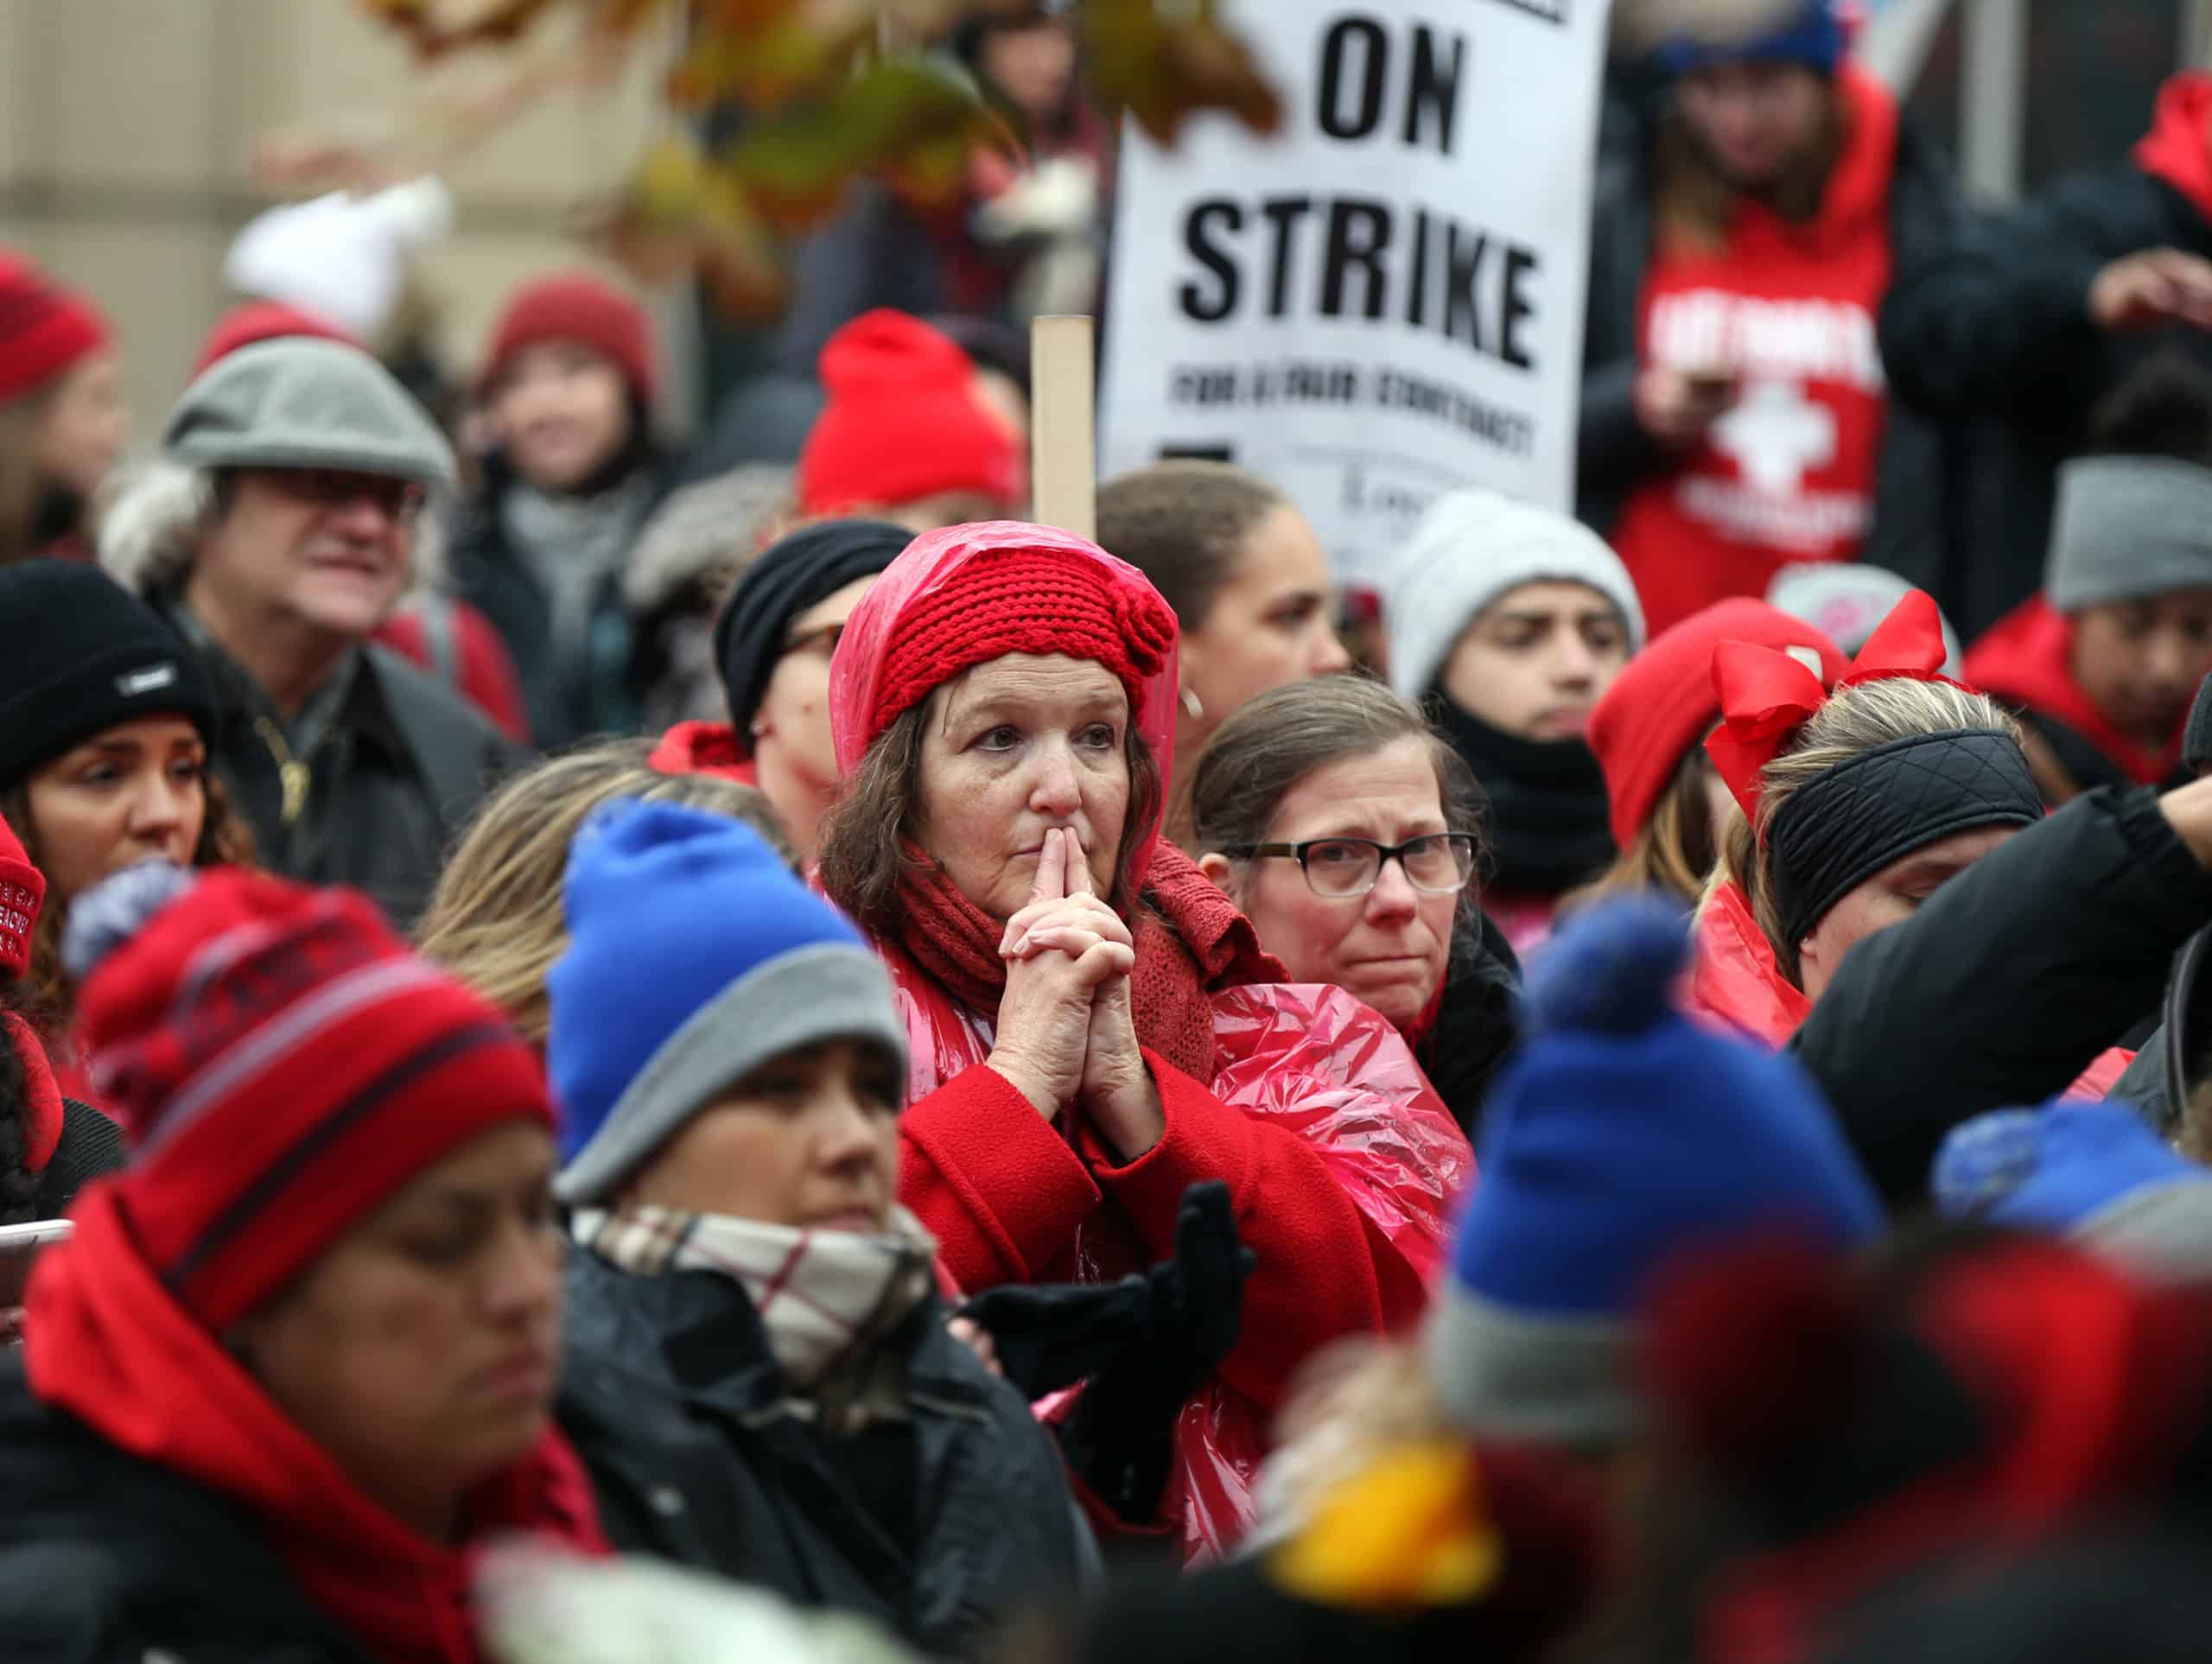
(1663, 702)
(265, 321)
(903, 422)
(1023, 600)
(281, 1064)
(577, 307)
(44, 328)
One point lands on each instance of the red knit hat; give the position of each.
(1023, 600)
(265, 321)
(281, 1065)
(1661, 704)
(44, 328)
(23, 892)
(903, 422)
(577, 307)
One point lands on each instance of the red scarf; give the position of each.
(1190, 942)
(116, 1352)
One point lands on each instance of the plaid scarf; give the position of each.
(824, 1297)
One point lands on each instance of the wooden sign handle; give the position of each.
(1063, 464)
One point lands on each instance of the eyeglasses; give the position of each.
(822, 639)
(400, 500)
(1340, 868)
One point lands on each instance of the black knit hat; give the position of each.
(83, 655)
(791, 574)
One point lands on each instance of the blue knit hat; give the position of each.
(2093, 1171)
(694, 957)
(1811, 33)
(1620, 1136)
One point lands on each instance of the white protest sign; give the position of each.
(1384, 301)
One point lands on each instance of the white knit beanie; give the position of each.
(1469, 549)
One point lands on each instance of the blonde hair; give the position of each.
(496, 920)
(1854, 719)
(1347, 1404)
(1672, 852)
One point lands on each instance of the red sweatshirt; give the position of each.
(2179, 147)
(1788, 474)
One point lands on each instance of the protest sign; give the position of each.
(1385, 300)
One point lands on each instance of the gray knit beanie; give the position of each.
(300, 402)
(1469, 549)
(2128, 527)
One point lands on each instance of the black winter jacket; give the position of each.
(2007, 983)
(1476, 1023)
(394, 778)
(106, 1559)
(1923, 463)
(940, 1529)
(1993, 322)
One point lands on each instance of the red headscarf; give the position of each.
(968, 594)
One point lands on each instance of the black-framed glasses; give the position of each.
(399, 500)
(822, 639)
(1436, 864)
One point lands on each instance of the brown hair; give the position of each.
(867, 834)
(1854, 719)
(1693, 202)
(496, 919)
(1272, 742)
(1674, 849)
(48, 994)
(22, 482)
(1183, 524)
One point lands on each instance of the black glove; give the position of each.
(1121, 1438)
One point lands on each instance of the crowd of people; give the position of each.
(620, 1047)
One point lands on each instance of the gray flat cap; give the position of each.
(300, 402)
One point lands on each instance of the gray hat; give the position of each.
(1844, 600)
(1469, 549)
(300, 402)
(2127, 527)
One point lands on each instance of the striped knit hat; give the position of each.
(281, 1065)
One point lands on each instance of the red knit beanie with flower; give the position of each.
(577, 307)
(903, 423)
(1023, 600)
(281, 1064)
(44, 328)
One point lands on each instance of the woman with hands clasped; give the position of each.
(1093, 1026)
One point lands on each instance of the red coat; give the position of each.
(705, 748)
(2027, 661)
(1344, 1171)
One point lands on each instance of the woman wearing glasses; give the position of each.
(1347, 831)
(773, 646)
(1093, 1028)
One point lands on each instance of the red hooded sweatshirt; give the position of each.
(1788, 474)
(2027, 661)
(2179, 147)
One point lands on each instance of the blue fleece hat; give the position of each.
(2093, 1171)
(694, 957)
(1620, 1136)
(1810, 33)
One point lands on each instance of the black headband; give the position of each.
(1848, 825)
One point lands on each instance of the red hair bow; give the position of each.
(1767, 695)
